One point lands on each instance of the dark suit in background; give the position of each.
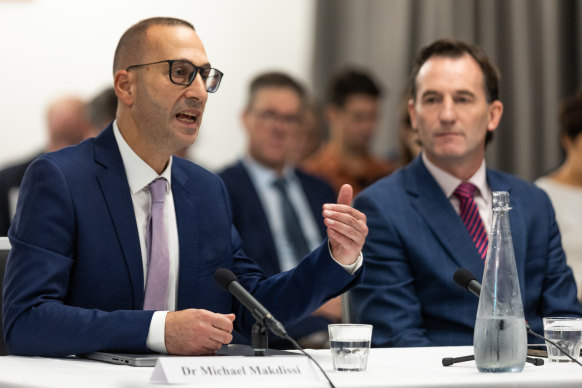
(417, 241)
(248, 215)
(10, 179)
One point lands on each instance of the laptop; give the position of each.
(150, 359)
(124, 358)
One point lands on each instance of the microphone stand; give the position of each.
(259, 339)
(448, 361)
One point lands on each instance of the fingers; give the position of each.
(197, 332)
(345, 195)
(344, 218)
(223, 322)
(346, 227)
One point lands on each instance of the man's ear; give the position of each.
(495, 113)
(122, 83)
(245, 116)
(412, 114)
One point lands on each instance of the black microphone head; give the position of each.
(462, 277)
(224, 277)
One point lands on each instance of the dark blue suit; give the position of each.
(249, 218)
(417, 241)
(74, 280)
(248, 214)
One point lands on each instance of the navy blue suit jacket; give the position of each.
(251, 221)
(417, 241)
(74, 279)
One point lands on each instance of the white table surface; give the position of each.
(390, 367)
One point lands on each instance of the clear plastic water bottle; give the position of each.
(500, 337)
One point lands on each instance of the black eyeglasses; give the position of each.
(272, 117)
(184, 72)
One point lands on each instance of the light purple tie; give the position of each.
(470, 215)
(156, 289)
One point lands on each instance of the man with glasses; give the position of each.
(115, 242)
(276, 207)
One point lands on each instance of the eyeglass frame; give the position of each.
(196, 71)
(269, 115)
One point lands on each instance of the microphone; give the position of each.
(227, 280)
(466, 280)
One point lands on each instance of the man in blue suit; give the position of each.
(271, 118)
(418, 240)
(81, 265)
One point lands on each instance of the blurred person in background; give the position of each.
(67, 124)
(564, 185)
(310, 133)
(410, 146)
(352, 114)
(263, 182)
(101, 110)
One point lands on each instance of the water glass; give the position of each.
(350, 345)
(566, 332)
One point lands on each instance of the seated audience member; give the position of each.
(115, 242)
(564, 186)
(310, 134)
(276, 208)
(66, 125)
(409, 144)
(352, 115)
(417, 235)
(101, 110)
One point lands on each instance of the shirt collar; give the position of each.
(139, 173)
(448, 183)
(263, 175)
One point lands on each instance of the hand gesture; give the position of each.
(346, 227)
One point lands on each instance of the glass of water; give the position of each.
(566, 332)
(349, 345)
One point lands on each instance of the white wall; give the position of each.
(50, 48)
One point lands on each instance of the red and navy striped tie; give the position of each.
(470, 215)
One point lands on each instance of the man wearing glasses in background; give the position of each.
(115, 242)
(276, 207)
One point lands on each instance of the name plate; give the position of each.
(251, 371)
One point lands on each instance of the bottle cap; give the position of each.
(501, 200)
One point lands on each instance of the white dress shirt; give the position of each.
(449, 183)
(139, 176)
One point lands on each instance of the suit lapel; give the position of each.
(188, 222)
(113, 183)
(435, 208)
